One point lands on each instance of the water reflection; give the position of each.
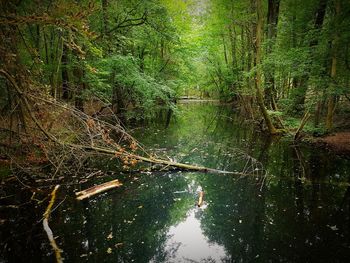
(187, 242)
(300, 213)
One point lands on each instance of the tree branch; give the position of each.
(127, 22)
(48, 229)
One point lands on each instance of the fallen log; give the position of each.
(156, 160)
(47, 228)
(97, 189)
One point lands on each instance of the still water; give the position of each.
(296, 210)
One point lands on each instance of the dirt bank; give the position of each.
(338, 142)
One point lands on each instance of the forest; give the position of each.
(279, 61)
(243, 103)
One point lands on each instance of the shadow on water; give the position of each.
(299, 213)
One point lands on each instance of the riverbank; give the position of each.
(338, 142)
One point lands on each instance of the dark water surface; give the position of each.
(298, 212)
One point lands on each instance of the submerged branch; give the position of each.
(47, 227)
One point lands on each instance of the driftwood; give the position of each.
(48, 229)
(200, 199)
(97, 189)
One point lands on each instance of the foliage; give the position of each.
(301, 39)
(141, 92)
(140, 55)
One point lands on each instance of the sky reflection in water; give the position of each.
(300, 213)
(187, 241)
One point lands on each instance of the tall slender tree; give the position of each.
(257, 62)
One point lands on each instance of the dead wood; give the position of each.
(91, 135)
(157, 160)
(97, 189)
(200, 199)
(47, 228)
(302, 124)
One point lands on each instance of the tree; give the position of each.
(272, 20)
(332, 99)
(257, 62)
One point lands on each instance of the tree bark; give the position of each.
(65, 78)
(98, 189)
(272, 20)
(105, 16)
(225, 52)
(79, 88)
(259, 92)
(301, 127)
(302, 82)
(331, 104)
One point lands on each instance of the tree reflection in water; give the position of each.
(300, 214)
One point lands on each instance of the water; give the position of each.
(299, 212)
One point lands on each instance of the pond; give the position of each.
(297, 209)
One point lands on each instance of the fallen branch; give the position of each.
(97, 189)
(302, 124)
(26, 103)
(94, 136)
(48, 229)
(156, 160)
(200, 199)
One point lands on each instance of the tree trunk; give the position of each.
(80, 86)
(299, 98)
(330, 112)
(65, 79)
(233, 46)
(105, 16)
(331, 104)
(37, 40)
(56, 50)
(118, 103)
(259, 92)
(317, 114)
(272, 20)
(225, 51)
